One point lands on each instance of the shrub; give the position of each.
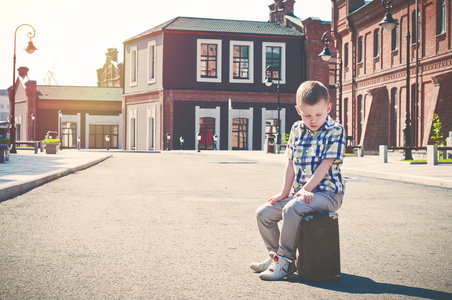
(51, 141)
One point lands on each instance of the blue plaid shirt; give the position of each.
(307, 149)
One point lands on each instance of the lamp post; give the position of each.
(389, 23)
(215, 140)
(168, 138)
(60, 136)
(198, 137)
(30, 49)
(181, 141)
(268, 82)
(33, 126)
(107, 140)
(326, 56)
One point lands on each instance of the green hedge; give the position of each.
(51, 141)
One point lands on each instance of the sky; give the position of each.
(72, 36)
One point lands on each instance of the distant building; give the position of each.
(90, 113)
(111, 74)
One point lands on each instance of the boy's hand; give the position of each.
(305, 195)
(276, 198)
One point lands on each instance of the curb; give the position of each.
(17, 189)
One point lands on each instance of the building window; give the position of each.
(133, 66)
(132, 134)
(97, 135)
(274, 55)
(69, 135)
(360, 117)
(360, 49)
(241, 62)
(346, 115)
(209, 60)
(152, 50)
(240, 134)
(394, 38)
(441, 19)
(394, 116)
(346, 55)
(376, 42)
(416, 27)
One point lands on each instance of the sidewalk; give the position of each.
(27, 170)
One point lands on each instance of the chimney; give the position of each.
(280, 9)
(23, 72)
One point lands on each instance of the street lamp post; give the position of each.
(198, 137)
(389, 23)
(326, 56)
(60, 128)
(30, 49)
(33, 126)
(181, 141)
(268, 82)
(215, 140)
(168, 137)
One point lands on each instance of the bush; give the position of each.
(51, 141)
(5, 141)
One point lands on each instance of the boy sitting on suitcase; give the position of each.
(315, 151)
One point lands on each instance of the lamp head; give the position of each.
(326, 54)
(168, 136)
(31, 48)
(388, 22)
(198, 137)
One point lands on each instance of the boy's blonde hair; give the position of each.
(312, 92)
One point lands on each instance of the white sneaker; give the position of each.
(280, 267)
(263, 265)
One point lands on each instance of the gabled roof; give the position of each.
(221, 26)
(84, 93)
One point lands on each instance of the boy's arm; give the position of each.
(289, 176)
(319, 174)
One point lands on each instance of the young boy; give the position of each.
(315, 151)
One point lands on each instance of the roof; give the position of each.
(84, 93)
(221, 26)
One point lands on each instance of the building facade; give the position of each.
(375, 60)
(190, 77)
(193, 76)
(88, 113)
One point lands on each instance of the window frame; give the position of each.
(250, 78)
(133, 66)
(199, 78)
(152, 65)
(283, 60)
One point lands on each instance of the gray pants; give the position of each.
(291, 211)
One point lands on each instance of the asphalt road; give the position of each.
(182, 226)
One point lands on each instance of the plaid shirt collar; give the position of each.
(329, 124)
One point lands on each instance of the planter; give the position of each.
(52, 148)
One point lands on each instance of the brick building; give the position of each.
(86, 112)
(374, 77)
(193, 76)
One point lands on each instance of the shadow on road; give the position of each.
(354, 284)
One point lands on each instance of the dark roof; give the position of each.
(85, 93)
(221, 26)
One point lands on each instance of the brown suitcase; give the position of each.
(318, 247)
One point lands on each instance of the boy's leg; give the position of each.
(268, 217)
(294, 211)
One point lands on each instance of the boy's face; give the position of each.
(314, 116)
